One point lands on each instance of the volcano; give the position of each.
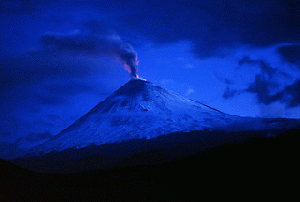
(142, 110)
(139, 109)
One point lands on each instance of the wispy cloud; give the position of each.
(267, 86)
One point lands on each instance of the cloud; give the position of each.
(270, 85)
(66, 76)
(266, 85)
(5, 134)
(17, 7)
(265, 68)
(59, 93)
(289, 95)
(33, 79)
(100, 26)
(213, 26)
(261, 87)
(229, 93)
(34, 67)
(93, 44)
(82, 43)
(37, 83)
(290, 53)
(264, 82)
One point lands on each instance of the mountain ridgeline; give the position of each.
(139, 109)
(142, 123)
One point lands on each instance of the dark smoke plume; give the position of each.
(93, 44)
(129, 56)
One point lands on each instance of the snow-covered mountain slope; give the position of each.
(140, 109)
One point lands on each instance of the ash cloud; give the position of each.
(94, 44)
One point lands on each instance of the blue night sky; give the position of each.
(241, 57)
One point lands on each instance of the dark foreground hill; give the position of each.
(262, 167)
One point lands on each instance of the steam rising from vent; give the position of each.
(93, 44)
